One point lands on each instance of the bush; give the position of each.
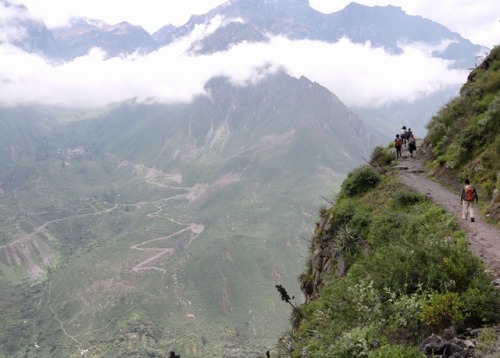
(441, 310)
(359, 181)
(400, 312)
(455, 155)
(481, 304)
(356, 343)
(381, 156)
(408, 198)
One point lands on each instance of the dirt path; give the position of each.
(484, 239)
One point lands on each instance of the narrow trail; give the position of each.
(40, 228)
(483, 238)
(195, 229)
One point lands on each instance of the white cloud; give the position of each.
(11, 18)
(357, 74)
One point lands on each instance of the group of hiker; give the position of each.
(468, 196)
(406, 139)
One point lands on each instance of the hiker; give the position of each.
(409, 133)
(397, 145)
(404, 135)
(467, 198)
(412, 145)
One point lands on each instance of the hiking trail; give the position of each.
(483, 238)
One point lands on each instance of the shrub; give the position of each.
(359, 181)
(386, 227)
(401, 311)
(408, 198)
(481, 303)
(356, 343)
(381, 156)
(441, 310)
(343, 212)
(454, 156)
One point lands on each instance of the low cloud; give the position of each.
(357, 73)
(11, 23)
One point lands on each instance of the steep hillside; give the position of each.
(388, 267)
(464, 140)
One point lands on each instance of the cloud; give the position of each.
(11, 23)
(358, 74)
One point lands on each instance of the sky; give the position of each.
(359, 76)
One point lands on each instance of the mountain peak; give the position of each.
(84, 21)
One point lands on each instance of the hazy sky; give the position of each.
(357, 74)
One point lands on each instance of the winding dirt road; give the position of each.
(484, 239)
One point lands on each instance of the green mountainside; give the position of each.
(463, 139)
(387, 267)
(142, 229)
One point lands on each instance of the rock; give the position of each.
(434, 346)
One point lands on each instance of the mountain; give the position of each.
(253, 21)
(387, 27)
(81, 35)
(23, 30)
(257, 21)
(149, 228)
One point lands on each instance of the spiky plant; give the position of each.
(345, 243)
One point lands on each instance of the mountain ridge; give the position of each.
(382, 26)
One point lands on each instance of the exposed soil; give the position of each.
(483, 238)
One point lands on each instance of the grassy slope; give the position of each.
(409, 274)
(463, 139)
(409, 270)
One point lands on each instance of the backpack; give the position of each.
(469, 193)
(397, 142)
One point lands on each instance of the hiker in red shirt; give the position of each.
(397, 145)
(467, 198)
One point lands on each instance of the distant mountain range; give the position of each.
(251, 21)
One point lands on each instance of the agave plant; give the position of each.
(345, 243)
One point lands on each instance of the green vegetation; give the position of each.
(386, 266)
(464, 135)
(398, 269)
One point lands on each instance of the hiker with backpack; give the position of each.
(404, 135)
(409, 133)
(412, 145)
(397, 145)
(467, 198)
